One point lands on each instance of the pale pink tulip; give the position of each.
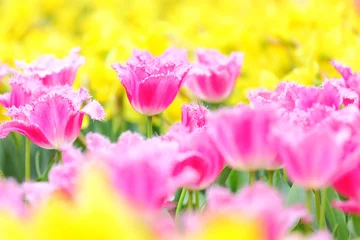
(142, 172)
(321, 158)
(262, 201)
(52, 71)
(193, 116)
(213, 77)
(24, 89)
(199, 162)
(152, 83)
(54, 120)
(290, 96)
(244, 137)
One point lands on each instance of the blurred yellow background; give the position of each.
(281, 39)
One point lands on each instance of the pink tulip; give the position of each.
(213, 77)
(24, 90)
(54, 120)
(321, 158)
(193, 116)
(350, 206)
(152, 83)
(143, 176)
(52, 71)
(244, 137)
(292, 96)
(259, 200)
(199, 162)
(347, 184)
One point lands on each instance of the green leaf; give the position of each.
(237, 180)
(354, 225)
(297, 195)
(335, 218)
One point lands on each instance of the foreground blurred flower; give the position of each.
(52, 71)
(95, 212)
(213, 78)
(54, 120)
(152, 83)
(244, 137)
(321, 159)
(199, 162)
(143, 176)
(277, 220)
(231, 226)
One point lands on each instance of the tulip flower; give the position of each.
(54, 120)
(213, 77)
(244, 138)
(193, 116)
(199, 162)
(152, 83)
(261, 201)
(24, 89)
(52, 71)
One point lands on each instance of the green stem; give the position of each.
(252, 177)
(197, 197)
(308, 200)
(81, 139)
(190, 200)
(37, 164)
(224, 176)
(317, 205)
(180, 202)
(161, 127)
(322, 210)
(308, 205)
(270, 176)
(285, 176)
(59, 156)
(27, 159)
(149, 126)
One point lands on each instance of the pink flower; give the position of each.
(259, 200)
(320, 160)
(37, 193)
(199, 162)
(244, 137)
(293, 96)
(213, 78)
(52, 71)
(11, 198)
(350, 206)
(193, 116)
(24, 90)
(152, 83)
(54, 120)
(347, 184)
(143, 176)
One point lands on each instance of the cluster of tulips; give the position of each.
(295, 142)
